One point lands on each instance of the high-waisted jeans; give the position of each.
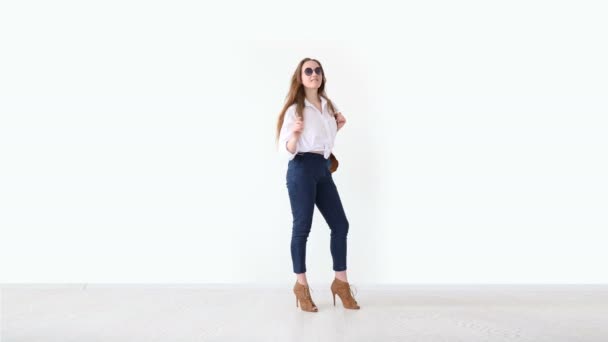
(309, 182)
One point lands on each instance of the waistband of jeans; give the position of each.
(310, 154)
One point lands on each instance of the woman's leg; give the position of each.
(302, 192)
(301, 277)
(341, 275)
(329, 204)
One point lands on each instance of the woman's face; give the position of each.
(310, 78)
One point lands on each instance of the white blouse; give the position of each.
(318, 133)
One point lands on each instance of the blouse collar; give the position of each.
(323, 102)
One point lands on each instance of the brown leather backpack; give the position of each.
(334, 163)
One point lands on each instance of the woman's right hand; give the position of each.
(298, 126)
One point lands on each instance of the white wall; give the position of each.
(137, 140)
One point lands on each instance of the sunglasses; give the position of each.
(308, 71)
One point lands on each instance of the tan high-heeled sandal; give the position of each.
(303, 296)
(343, 290)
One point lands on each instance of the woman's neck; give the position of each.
(312, 95)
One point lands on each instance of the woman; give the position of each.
(306, 131)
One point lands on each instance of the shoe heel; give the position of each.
(296, 302)
(334, 297)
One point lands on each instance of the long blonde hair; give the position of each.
(296, 94)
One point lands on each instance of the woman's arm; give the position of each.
(292, 143)
(340, 120)
(288, 139)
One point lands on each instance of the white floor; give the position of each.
(87, 313)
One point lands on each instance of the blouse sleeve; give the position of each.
(286, 133)
(336, 109)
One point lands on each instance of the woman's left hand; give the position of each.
(340, 120)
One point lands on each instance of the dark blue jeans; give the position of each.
(309, 182)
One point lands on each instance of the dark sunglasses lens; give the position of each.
(318, 70)
(308, 71)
